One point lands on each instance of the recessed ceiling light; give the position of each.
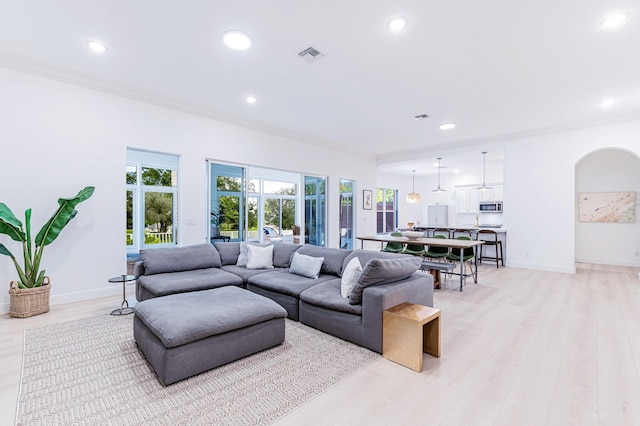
(236, 40)
(614, 20)
(607, 103)
(250, 99)
(397, 24)
(447, 126)
(96, 46)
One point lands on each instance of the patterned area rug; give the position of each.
(90, 372)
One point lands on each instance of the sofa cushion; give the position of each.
(166, 318)
(350, 276)
(333, 258)
(282, 253)
(178, 259)
(383, 271)
(185, 281)
(229, 252)
(243, 272)
(327, 295)
(307, 266)
(281, 281)
(259, 257)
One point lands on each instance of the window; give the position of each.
(315, 210)
(387, 210)
(346, 213)
(152, 197)
(265, 210)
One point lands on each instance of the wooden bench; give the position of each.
(435, 268)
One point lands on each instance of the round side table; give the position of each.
(124, 306)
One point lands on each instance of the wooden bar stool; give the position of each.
(490, 238)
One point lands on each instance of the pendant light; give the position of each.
(438, 189)
(484, 186)
(413, 197)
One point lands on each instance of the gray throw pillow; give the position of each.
(383, 271)
(307, 266)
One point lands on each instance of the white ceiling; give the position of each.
(496, 68)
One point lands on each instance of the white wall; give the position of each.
(608, 170)
(58, 138)
(539, 183)
(541, 189)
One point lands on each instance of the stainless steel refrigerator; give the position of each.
(437, 216)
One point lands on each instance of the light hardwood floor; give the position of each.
(521, 347)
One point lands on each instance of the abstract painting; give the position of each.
(607, 207)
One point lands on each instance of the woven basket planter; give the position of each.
(27, 302)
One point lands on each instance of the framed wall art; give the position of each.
(367, 199)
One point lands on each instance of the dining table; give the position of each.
(452, 243)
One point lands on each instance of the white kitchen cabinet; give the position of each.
(467, 200)
(467, 197)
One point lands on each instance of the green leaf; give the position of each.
(5, 251)
(14, 233)
(7, 216)
(61, 217)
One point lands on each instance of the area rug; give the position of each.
(90, 371)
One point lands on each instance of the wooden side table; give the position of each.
(408, 330)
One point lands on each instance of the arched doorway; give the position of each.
(608, 239)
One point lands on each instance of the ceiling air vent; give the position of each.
(310, 54)
(420, 117)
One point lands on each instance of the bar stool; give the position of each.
(441, 231)
(456, 232)
(490, 238)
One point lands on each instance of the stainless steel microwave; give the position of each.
(490, 206)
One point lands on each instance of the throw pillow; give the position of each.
(307, 266)
(383, 271)
(259, 257)
(242, 257)
(350, 275)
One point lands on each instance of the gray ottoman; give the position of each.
(185, 334)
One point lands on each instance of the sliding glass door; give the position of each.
(315, 211)
(346, 213)
(227, 202)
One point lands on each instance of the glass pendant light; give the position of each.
(413, 197)
(484, 186)
(438, 189)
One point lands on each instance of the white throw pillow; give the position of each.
(259, 257)
(350, 276)
(242, 258)
(307, 266)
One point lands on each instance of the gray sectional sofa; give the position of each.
(386, 280)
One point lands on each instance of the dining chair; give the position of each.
(490, 239)
(434, 252)
(394, 247)
(414, 249)
(468, 254)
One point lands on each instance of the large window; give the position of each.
(387, 210)
(151, 200)
(265, 209)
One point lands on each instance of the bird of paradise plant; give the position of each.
(29, 273)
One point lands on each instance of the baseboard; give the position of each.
(614, 262)
(538, 267)
(60, 299)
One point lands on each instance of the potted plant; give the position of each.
(30, 293)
